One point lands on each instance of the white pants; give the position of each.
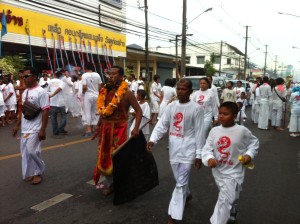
(207, 124)
(181, 172)
(90, 110)
(263, 118)
(294, 123)
(2, 109)
(276, 117)
(229, 190)
(255, 113)
(32, 163)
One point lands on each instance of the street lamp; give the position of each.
(288, 14)
(184, 28)
(207, 10)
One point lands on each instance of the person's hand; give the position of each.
(42, 135)
(15, 131)
(150, 146)
(135, 132)
(212, 163)
(198, 163)
(246, 160)
(215, 122)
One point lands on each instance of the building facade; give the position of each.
(59, 33)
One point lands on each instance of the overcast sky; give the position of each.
(227, 22)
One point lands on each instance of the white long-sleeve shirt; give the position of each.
(186, 136)
(225, 145)
(207, 100)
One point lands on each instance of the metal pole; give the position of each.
(147, 51)
(220, 65)
(245, 58)
(176, 50)
(265, 68)
(183, 45)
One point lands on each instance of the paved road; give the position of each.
(270, 195)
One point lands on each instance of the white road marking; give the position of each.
(91, 182)
(50, 202)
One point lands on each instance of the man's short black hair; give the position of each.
(58, 74)
(231, 106)
(121, 70)
(156, 77)
(188, 81)
(89, 66)
(33, 71)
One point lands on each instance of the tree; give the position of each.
(209, 65)
(11, 65)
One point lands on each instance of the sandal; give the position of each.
(36, 180)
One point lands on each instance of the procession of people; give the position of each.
(200, 128)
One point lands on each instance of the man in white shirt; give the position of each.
(91, 84)
(184, 120)
(265, 95)
(10, 99)
(57, 104)
(68, 90)
(134, 85)
(44, 81)
(239, 89)
(33, 131)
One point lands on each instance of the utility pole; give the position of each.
(220, 65)
(245, 57)
(265, 68)
(275, 70)
(183, 45)
(176, 53)
(147, 51)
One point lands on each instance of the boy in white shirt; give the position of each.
(10, 99)
(141, 98)
(184, 120)
(34, 130)
(228, 94)
(223, 146)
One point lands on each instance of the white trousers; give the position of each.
(32, 163)
(181, 172)
(263, 118)
(255, 113)
(229, 190)
(294, 123)
(276, 117)
(207, 124)
(90, 110)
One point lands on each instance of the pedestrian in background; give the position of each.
(155, 97)
(223, 146)
(228, 93)
(278, 100)
(33, 130)
(295, 112)
(57, 104)
(91, 85)
(265, 95)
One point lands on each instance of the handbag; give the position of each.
(29, 110)
(282, 99)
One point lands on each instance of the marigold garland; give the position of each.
(113, 105)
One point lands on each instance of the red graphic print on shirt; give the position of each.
(178, 119)
(200, 100)
(223, 143)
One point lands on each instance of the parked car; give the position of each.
(218, 81)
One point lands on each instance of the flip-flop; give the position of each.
(36, 180)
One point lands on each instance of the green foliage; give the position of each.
(209, 65)
(11, 65)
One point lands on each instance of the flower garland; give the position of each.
(112, 106)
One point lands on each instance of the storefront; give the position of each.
(49, 41)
